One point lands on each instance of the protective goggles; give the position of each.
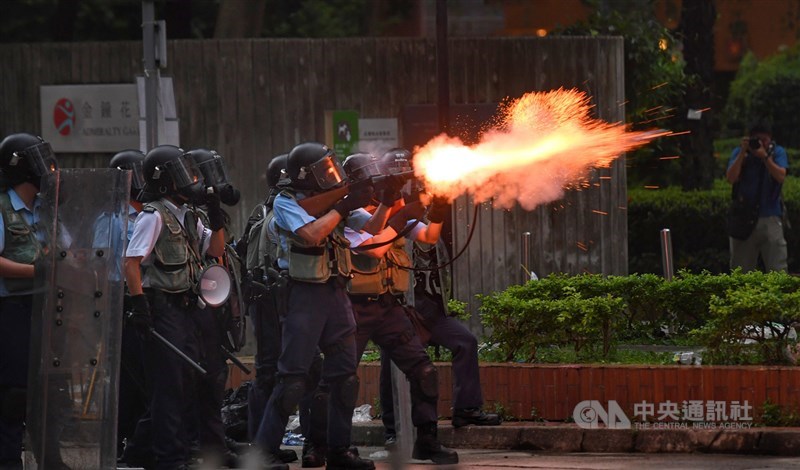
(39, 158)
(214, 170)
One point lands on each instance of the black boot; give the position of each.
(343, 458)
(287, 455)
(313, 456)
(476, 416)
(266, 461)
(428, 447)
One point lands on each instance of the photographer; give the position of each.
(756, 170)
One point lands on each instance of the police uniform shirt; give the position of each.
(32, 218)
(291, 217)
(357, 237)
(147, 229)
(132, 214)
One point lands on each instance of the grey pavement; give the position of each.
(569, 438)
(483, 459)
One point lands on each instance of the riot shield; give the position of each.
(77, 321)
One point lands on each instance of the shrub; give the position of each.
(739, 318)
(696, 220)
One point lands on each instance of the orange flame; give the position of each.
(543, 143)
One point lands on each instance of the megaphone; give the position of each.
(214, 286)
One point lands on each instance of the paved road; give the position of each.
(482, 459)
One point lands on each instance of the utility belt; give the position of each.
(387, 299)
(18, 299)
(181, 300)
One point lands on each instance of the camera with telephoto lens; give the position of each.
(755, 143)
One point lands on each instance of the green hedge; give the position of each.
(739, 318)
(696, 220)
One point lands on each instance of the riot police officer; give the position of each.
(376, 290)
(318, 311)
(170, 242)
(133, 389)
(24, 159)
(439, 329)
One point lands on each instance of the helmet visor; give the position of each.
(367, 171)
(137, 175)
(327, 172)
(39, 158)
(183, 171)
(214, 171)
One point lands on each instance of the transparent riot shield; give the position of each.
(77, 321)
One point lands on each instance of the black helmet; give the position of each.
(395, 161)
(360, 166)
(276, 170)
(314, 166)
(215, 174)
(25, 158)
(131, 160)
(168, 171)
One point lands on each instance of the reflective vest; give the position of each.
(316, 263)
(377, 276)
(21, 244)
(176, 262)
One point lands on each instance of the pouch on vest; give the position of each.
(309, 264)
(368, 276)
(399, 279)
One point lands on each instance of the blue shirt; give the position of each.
(289, 216)
(32, 218)
(752, 170)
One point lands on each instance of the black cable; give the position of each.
(463, 249)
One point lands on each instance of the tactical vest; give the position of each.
(316, 263)
(176, 262)
(21, 244)
(377, 276)
(261, 250)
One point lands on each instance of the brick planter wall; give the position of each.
(554, 390)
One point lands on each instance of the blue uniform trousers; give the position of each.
(318, 315)
(15, 335)
(181, 399)
(451, 334)
(267, 328)
(385, 322)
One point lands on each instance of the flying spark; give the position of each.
(542, 143)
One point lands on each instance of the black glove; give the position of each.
(439, 208)
(412, 211)
(391, 193)
(358, 197)
(139, 314)
(389, 197)
(216, 218)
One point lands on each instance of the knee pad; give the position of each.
(290, 394)
(319, 403)
(425, 382)
(315, 372)
(348, 390)
(12, 404)
(265, 385)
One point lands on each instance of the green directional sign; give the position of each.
(342, 126)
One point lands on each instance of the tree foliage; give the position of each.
(654, 78)
(767, 90)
